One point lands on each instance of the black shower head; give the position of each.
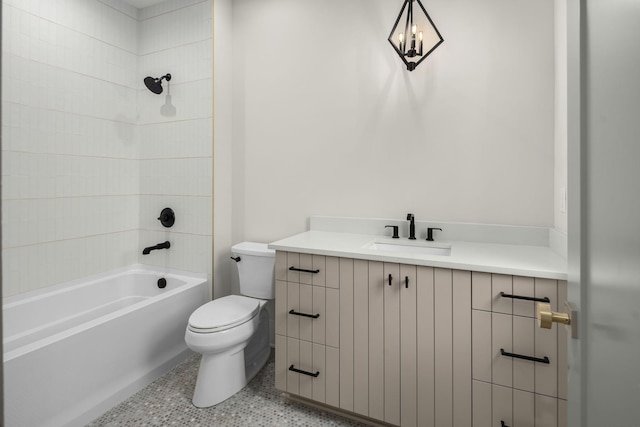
(155, 84)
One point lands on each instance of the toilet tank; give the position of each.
(256, 269)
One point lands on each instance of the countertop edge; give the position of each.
(307, 246)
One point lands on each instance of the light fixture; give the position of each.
(414, 35)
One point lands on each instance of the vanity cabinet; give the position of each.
(417, 346)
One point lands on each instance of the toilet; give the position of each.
(232, 333)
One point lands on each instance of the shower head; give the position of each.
(155, 84)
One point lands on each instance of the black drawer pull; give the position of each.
(314, 316)
(311, 374)
(503, 424)
(544, 299)
(390, 279)
(303, 270)
(406, 282)
(520, 356)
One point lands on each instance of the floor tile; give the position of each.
(167, 402)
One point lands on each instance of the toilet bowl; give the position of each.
(232, 333)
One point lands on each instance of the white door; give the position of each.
(604, 211)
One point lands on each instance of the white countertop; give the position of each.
(520, 260)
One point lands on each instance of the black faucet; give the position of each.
(395, 230)
(412, 227)
(165, 245)
(430, 233)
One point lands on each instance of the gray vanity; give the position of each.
(414, 338)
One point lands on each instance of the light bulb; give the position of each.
(414, 28)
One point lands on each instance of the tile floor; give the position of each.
(167, 402)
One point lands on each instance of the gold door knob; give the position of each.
(546, 317)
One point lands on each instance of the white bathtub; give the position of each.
(73, 351)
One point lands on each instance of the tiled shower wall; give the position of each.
(176, 132)
(89, 155)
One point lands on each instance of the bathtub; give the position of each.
(73, 351)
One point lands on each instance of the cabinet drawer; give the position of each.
(307, 369)
(307, 269)
(524, 356)
(307, 312)
(516, 295)
(521, 355)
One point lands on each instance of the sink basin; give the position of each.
(410, 249)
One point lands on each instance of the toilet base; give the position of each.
(215, 369)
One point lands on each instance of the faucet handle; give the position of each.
(395, 231)
(410, 217)
(430, 233)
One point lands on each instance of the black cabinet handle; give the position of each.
(303, 270)
(520, 356)
(311, 374)
(503, 424)
(295, 313)
(522, 297)
(406, 282)
(390, 279)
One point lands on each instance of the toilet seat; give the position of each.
(222, 314)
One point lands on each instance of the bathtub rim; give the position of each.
(191, 280)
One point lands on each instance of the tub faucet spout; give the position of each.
(165, 245)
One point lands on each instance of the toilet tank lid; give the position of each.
(251, 248)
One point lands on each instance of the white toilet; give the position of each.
(232, 332)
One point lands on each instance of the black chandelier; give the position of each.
(419, 36)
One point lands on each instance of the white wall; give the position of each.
(90, 157)
(70, 176)
(561, 126)
(327, 121)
